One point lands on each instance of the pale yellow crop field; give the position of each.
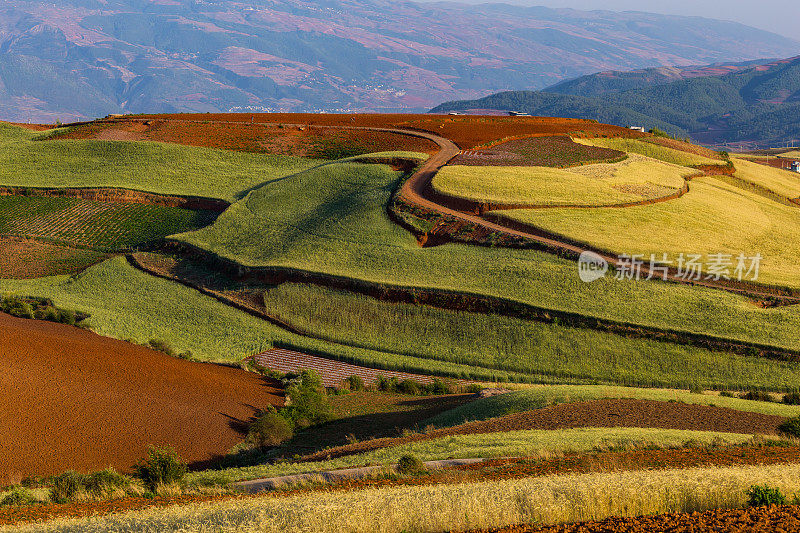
(635, 179)
(662, 153)
(713, 217)
(786, 184)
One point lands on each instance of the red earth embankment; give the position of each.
(74, 400)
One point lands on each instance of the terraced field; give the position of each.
(707, 220)
(781, 182)
(653, 150)
(30, 159)
(104, 226)
(308, 268)
(637, 179)
(559, 151)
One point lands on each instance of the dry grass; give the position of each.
(649, 149)
(545, 500)
(713, 217)
(635, 179)
(784, 183)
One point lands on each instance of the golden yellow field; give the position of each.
(635, 179)
(786, 184)
(713, 217)
(662, 153)
(434, 508)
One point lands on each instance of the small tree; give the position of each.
(269, 429)
(309, 401)
(162, 466)
(410, 464)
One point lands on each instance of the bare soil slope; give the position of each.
(74, 400)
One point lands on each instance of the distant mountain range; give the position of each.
(76, 59)
(756, 104)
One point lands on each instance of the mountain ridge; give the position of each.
(85, 58)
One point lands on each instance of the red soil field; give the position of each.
(33, 127)
(598, 413)
(25, 259)
(557, 151)
(770, 519)
(74, 400)
(466, 131)
(306, 141)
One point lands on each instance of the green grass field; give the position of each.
(93, 224)
(333, 220)
(128, 304)
(662, 153)
(786, 184)
(514, 345)
(524, 443)
(635, 179)
(709, 219)
(152, 167)
(536, 397)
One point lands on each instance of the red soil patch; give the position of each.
(775, 162)
(757, 519)
(25, 259)
(74, 400)
(559, 151)
(599, 413)
(306, 141)
(466, 131)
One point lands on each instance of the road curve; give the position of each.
(417, 188)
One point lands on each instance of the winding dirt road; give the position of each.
(417, 190)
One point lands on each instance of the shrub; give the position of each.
(440, 387)
(162, 466)
(791, 427)
(105, 482)
(726, 394)
(408, 386)
(355, 383)
(474, 388)
(308, 401)
(759, 495)
(410, 464)
(696, 389)
(269, 429)
(793, 398)
(66, 486)
(757, 396)
(68, 317)
(18, 496)
(161, 346)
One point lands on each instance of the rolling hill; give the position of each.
(756, 104)
(85, 58)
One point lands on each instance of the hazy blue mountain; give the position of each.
(759, 103)
(84, 58)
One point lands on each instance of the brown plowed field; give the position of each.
(598, 413)
(466, 131)
(74, 400)
(296, 140)
(555, 151)
(25, 259)
(772, 519)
